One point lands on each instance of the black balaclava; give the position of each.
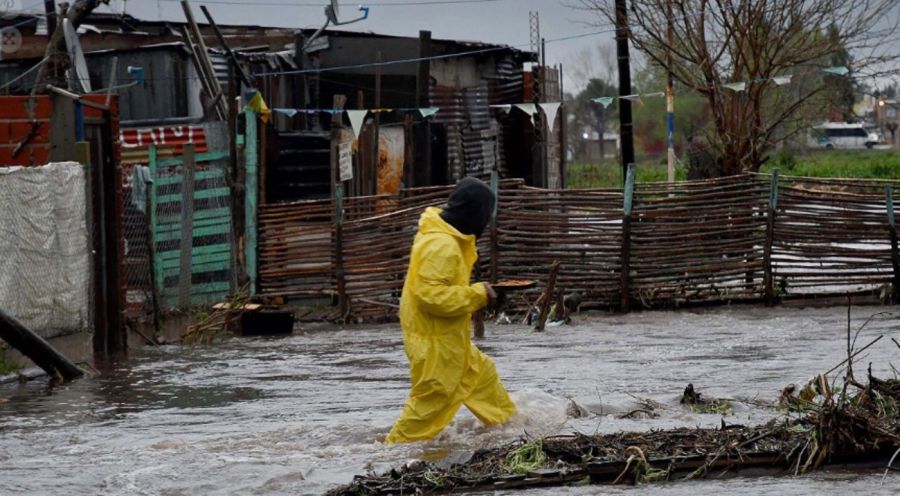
(469, 207)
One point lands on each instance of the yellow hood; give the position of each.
(431, 223)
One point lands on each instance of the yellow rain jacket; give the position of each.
(436, 308)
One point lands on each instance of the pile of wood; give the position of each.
(223, 318)
(820, 425)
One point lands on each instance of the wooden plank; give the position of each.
(153, 162)
(549, 291)
(212, 213)
(211, 287)
(204, 222)
(37, 349)
(892, 231)
(197, 251)
(251, 198)
(171, 268)
(768, 280)
(337, 195)
(495, 248)
(215, 173)
(628, 196)
(203, 194)
(187, 227)
(62, 129)
(172, 232)
(207, 259)
(210, 156)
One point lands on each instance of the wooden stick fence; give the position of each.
(751, 237)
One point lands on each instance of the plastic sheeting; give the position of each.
(44, 250)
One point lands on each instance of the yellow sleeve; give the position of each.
(440, 263)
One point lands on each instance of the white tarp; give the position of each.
(44, 252)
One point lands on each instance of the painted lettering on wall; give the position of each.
(159, 136)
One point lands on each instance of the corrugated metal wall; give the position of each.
(164, 91)
(475, 133)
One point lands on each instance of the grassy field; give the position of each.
(609, 174)
(869, 164)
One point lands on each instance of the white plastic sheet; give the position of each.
(44, 250)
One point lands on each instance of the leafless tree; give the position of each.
(592, 62)
(56, 63)
(707, 44)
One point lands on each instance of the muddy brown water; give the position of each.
(302, 414)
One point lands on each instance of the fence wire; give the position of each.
(203, 271)
(137, 276)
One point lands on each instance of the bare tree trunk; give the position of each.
(752, 44)
(53, 70)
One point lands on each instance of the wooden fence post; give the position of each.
(478, 317)
(892, 229)
(338, 199)
(185, 284)
(495, 247)
(251, 198)
(547, 297)
(768, 279)
(153, 162)
(628, 198)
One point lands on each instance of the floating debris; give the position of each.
(821, 425)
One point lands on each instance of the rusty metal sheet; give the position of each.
(390, 160)
(169, 141)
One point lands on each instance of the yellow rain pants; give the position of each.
(446, 369)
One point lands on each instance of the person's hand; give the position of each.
(496, 296)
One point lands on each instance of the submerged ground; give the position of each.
(302, 414)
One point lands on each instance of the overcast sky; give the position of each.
(498, 21)
(494, 21)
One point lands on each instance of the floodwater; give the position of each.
(304, 413)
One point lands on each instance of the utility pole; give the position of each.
(538, 163)
(50, 11)
(423, 85)
(670, 95)
(625, 124)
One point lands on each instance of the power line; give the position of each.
(32, 19)
(424, 59)
(366, 4)
(395, 62)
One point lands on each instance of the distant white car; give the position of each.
(844, 135)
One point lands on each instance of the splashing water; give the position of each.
(537, 414)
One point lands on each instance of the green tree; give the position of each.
(589, 115)
(840, 90)
(730, 51)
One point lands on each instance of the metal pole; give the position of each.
(625, 124)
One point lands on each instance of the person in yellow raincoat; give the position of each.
(436, 306)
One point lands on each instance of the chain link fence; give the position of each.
(190, 211)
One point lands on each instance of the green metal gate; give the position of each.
(190, 200)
